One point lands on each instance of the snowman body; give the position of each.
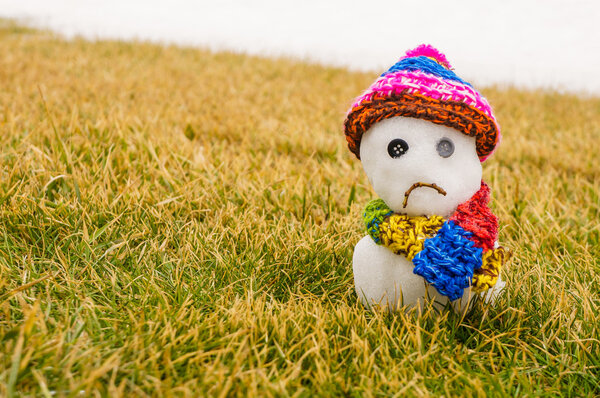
(384, 279)
(403, 159)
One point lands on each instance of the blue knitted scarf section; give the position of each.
(448, 260)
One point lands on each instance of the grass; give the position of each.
(175, 222)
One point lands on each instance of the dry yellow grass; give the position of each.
(179, 222)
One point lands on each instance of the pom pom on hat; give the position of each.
(422, 85)
(427, 50)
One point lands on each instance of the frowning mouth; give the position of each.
(420, 185)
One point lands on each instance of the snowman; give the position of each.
(421, 133)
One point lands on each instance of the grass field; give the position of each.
(175, 222)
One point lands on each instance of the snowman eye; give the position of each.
(445, 148)
(397, 148)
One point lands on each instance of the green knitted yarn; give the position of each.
(375, 212)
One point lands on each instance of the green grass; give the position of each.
(180, 222)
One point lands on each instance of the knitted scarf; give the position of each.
(450, 254)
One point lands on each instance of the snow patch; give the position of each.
(527, 43)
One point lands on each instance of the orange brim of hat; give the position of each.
(458, 115)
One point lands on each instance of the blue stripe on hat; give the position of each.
(424, 64)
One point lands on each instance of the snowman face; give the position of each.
(418, 167)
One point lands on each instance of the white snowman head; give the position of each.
(418, 167)
(421, 133)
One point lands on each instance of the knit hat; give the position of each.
(422, 85)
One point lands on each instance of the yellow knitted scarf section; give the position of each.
(406, 235)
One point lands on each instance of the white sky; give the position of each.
(528, 43)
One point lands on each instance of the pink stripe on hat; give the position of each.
(425, 84)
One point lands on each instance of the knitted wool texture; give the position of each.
(422, 85)
(450, 254)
